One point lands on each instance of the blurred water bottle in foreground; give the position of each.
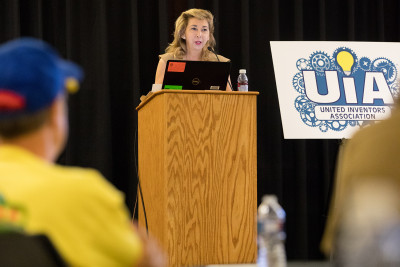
(271, 235)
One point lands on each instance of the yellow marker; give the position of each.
(346, 61)
(72, 85)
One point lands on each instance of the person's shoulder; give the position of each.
(167, 56)
(388, 128)
(376, 136)
(77, 173)
(213, 57)
(223, 59)
(85, 181)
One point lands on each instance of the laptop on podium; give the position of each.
(196, 75)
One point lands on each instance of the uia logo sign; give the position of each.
(343, 89)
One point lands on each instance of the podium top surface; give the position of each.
(151, 95)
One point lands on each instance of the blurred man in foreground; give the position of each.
(77, 209)
(363, 228)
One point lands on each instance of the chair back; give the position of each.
(21, 250)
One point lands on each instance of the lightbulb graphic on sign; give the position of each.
(346, 61)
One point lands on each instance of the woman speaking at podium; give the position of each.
(193, 40)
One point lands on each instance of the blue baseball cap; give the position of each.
(32, 75)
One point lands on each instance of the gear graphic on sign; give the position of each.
(353, 123)
(320, 62)
(337, 125)
(298, 83)
(307, 115)
(300, 101)
(365, 63)
(303, 64)
(387, 67)
(323, 127)
(394, 89)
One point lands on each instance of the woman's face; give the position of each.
(197, 34)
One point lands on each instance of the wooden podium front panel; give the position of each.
(211, 169)
(198, 169)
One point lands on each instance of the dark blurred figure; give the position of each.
(363, 228)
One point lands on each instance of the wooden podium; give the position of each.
(198, 172)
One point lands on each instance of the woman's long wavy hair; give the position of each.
(178, 46)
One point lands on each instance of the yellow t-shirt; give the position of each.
(83, 215)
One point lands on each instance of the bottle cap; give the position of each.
(242, 71)
(270, 198)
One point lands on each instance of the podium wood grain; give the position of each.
(198, 170)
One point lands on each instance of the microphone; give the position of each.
(212, 51)
(216, 55)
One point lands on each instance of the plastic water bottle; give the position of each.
(243, 82)
(271, 235)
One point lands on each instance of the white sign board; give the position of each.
(328, 90)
